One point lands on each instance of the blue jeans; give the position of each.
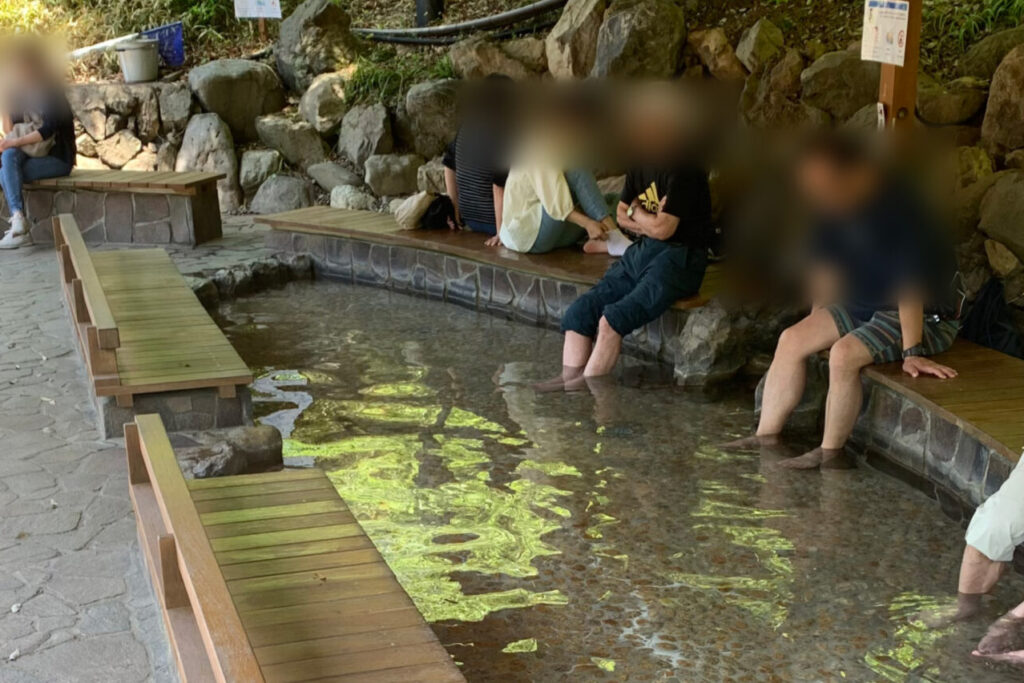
(18, 168)
(555, 234)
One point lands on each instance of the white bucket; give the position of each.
(139, 59)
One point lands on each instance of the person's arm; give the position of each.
(6, 124)
(498, 192)
(660, 226)
(911, 309)
(451, 188)
(32, 138)
(823, 283)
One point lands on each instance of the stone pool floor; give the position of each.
(75, 603)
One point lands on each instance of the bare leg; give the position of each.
(784, 383)
(606, 351)
(595, 247)
(846, 359)
(575, 353)
(978, 576)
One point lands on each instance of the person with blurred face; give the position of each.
(883, 291)
(666, 204)
(38, 127)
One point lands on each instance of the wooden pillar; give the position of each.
(897, 90)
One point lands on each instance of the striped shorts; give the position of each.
(883, 337)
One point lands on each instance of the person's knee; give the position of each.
(604, 328)
(791, 344)
(848, 356)
(9, 156)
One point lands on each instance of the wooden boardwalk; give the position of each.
(986, 399)
(269, 577)
(569, 265)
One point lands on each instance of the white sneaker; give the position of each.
(13, 240)
(19, 224)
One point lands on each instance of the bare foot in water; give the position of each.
(968, 606)
(1005, 636)
(821, 458)
(753, 442)
(559, 383)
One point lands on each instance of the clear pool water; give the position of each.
(596, 536)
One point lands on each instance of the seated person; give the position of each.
(883, 291)
(670, 210)
(475, 167)
(546, 209)
(996, 530)
(34, 97)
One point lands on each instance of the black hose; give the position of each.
(494, 21)
(448, 40)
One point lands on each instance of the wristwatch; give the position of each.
(629, 211)
(914, 351)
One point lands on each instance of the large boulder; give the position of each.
(314, 39)
(431, 111)
(351, 197)
(323, 103)
(392, 174)
(282, 193)
(572, 43)
(1003, 127)
(118, 149)
(430, 177)
(984, 56)
(954, 102)
(175, 107)
(714, 50)
(223, 452)
(238, 91)
(1001, 211)
(256, 166)
(640, 38)
(840, 83)
(712, 345)
(365, 131)
(297, 141)
(479, 58)
(529, 50)
(759, 45)
(208, 146)
(329, 175)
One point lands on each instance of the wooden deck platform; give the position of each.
(269, 577)
(141, 328)
(159, 182)
(570, 265)
(986, 399)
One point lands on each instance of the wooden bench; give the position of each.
(140, 327)
(986, 399)
(130, 206)
(269, 577)
(569, 265)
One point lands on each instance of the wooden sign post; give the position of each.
(897, 90)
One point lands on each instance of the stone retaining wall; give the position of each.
(181, 411)
(533, 299)
(126, 217)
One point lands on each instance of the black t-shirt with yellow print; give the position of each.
(688, 199)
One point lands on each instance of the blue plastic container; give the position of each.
(171, 46)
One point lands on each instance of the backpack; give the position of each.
(438, 214)
(989, 323)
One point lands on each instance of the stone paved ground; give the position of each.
(75, 603)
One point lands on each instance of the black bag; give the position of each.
(989, 323)
(440, 214)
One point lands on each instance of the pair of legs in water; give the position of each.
(853, 344)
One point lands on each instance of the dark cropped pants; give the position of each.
(638, 288)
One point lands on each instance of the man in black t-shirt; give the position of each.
(670, 211)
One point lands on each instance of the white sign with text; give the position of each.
(258, 9)
(885, 31)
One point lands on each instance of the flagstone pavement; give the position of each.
(75, 602)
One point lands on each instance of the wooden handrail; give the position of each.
(71, 248)
(151, 459)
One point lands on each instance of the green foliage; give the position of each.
(955, 24)
(384, 73)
